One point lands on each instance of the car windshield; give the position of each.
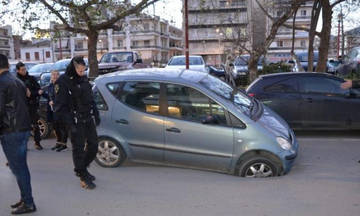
(117, 57)
(244, 60)
(181, 61)
(28, 66)
(239, 99)
(334, 63)
(40, 68)
(61, 65)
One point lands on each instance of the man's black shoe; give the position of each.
(62, 147)
(56, 146)
(87, 175)
(17, 204)
(24, 209)
(38, 146)
(86, 183)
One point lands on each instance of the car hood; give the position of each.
(120, 65)
(274, 123)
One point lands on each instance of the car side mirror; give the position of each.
(138, 61)
(231, 65)
(209, 120)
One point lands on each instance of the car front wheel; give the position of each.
(259, 167)
(110, 153)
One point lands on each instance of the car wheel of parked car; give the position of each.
(258, 167)
(44, 127)
(110, 153)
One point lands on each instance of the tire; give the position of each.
(258, 166)
(110, 153)
(45, 129)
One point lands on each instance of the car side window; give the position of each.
(143, 96)
(189, 104)
(283, 86)
(321, 86)
(99, 100)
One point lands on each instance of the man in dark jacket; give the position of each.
(74, 103)
(33, 95)
(14, 133)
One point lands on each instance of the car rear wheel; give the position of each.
(110, 153)
(258, 167)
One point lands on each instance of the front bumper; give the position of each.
(288, 157)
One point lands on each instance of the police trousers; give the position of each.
(84, 142)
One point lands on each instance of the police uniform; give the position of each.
(74, 104)
(33, 104)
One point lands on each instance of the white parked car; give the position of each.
(196, 63)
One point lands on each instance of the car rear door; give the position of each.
(324, 103)
(189, 141)
(136, 117)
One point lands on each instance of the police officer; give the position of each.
(74, 103)
(33, 96)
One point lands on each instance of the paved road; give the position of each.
(324, 181)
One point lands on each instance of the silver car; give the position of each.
(189, 119)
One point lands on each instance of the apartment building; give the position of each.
(37, 51)
(154, 39)
(6, 42)
(281, 46)
(214, 26)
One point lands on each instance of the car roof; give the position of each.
(291, 74)
(154, 74)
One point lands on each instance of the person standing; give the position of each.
(60, 127)
(74, 103)
(14, 134)
(33, 95)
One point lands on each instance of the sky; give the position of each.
(167, 9)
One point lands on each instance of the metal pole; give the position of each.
(338, 38)
(186, 34)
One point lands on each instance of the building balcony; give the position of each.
(63, 49)
(217, 25)
(119, 48)
(225, 9)
(118, 32)
(78, 49)
(146, 47)
(5, 46)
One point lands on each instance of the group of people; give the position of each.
(72, 109)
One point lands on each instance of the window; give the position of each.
(222, 3)
(143, 96)
(99, 100)
(115, 88)
(288, 86)
(280, 43)
(146, 27)
(79, 45)
(321, 85)
(303, 12)
(47, 54)
(27, 56)
(37, 56)
(147, 43)
(189, 104)
(279, 13)
(120, 43)
(303, 43)
(135, 43)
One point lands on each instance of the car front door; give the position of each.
(283, 97)
(196, 130)
(323, 103)
(136, 117)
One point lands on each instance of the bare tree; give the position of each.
(87, 17)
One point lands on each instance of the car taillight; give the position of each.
(251, 94)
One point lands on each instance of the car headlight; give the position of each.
(284, 143)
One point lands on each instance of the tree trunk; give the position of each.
(92, 51)
(324, 35)
(252, 67)
(314, 21)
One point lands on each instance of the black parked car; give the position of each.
(309, 100)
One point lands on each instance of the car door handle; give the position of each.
(122, 121)
(174, 130)
(310, 100)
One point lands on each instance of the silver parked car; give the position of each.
(189, 119)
